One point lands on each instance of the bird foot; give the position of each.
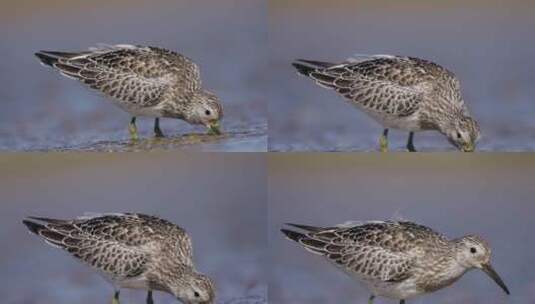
(158, 134)
(133, 132)
(115, 299)
(149, 298)
(157, 131)
(383, 144)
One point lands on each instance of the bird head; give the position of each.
(194, 288)
(463, 132)
(205, 110)
(474, 252)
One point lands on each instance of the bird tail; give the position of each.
(306, 67)
(54, 232)
(323, 73)
(309, 240)
(72, 65)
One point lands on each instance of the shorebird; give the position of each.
(397, 260)
(143, 81)
(403, 93)
(131, 251)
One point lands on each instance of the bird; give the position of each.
(143, 81)
(396, 259)
(131, 250)
(400, 92)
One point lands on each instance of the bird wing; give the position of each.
(381, 83)
(112, 257)
(140, 230)
(372, 250)
(129, 73)
(174, 239)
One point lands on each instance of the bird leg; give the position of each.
(115, 299)
(149, 297)
(157, 131)
(383, 141)
(370, 300)
(410, 145)
(402, 302)
(133, 129)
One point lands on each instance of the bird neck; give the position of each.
(168, 274)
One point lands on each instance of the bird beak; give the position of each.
(214, 128)
(469, 147)
(487, 268)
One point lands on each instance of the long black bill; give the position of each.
(494, 275)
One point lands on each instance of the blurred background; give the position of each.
(488, 44)
(220, 199)
(488, 196)
(42, 110)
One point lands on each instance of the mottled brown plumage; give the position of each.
(131, 251)
(144, 81)
(404, 93)
(394, 259)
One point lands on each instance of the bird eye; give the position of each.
(207, 112)
(473, 250)
(459, 135)
(196, 294)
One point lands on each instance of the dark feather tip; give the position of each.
(33, 227)
(46, 59)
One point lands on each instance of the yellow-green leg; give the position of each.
(133, 129)
(370, 301)
(383, 141)
(115, 299)
(149, 297)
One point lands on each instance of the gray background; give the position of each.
(220, 199)
(491, 196)
(488, 44)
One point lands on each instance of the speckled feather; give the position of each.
(144, 81)
(120, 246)
(400, 92)
(394, 259)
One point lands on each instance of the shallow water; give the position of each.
(227, 230)
(486, 195)
(250, 139)
(42, 110)
(487, 44)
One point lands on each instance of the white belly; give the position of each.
(406, 123)
(139, 282)
(136, 110)
(409, 123)
(399, 291)
(134, 283)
